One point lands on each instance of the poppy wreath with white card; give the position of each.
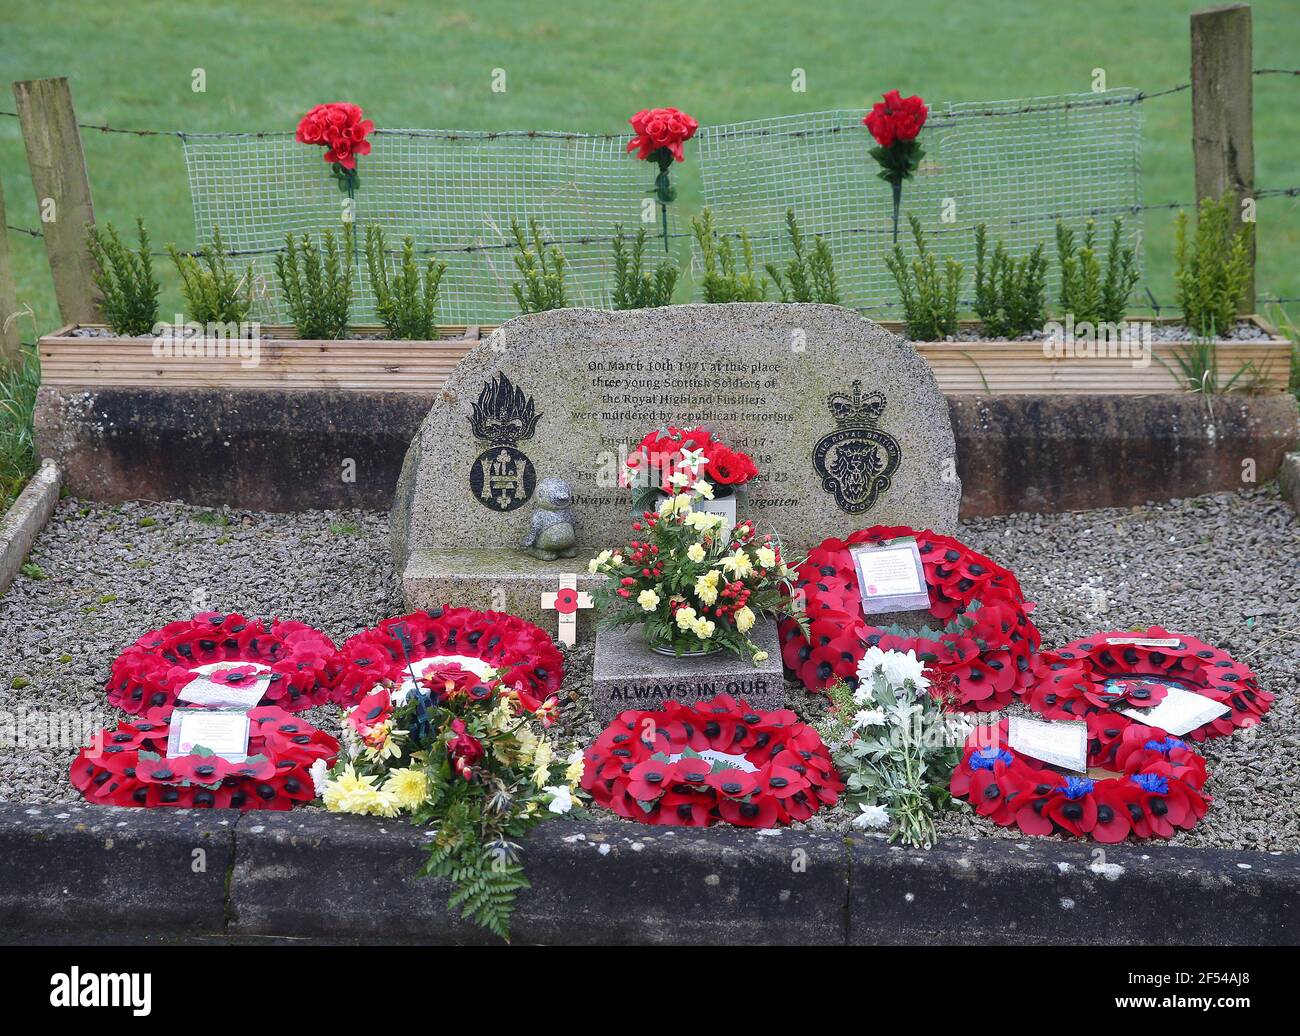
(1151, 787)
(717, 760)
(494, 645)
(128, 765)
(1110, 679)
(981, 636)
(288, 661)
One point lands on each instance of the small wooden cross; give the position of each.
(566, 601)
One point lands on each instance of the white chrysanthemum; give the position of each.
(871, 663)
(561, 798)
(864, 695)
(872, 816)
(320, 776)
(868, 718)
(902, 666)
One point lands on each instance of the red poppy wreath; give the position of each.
(1153, 789)
(694, 765)
(407, 648)
(128, 765)
(1096, 677)
(982, 637)
(290, 658)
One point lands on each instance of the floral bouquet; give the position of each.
(896, 744)
(671, 458)
(466, 754)
(695, 587)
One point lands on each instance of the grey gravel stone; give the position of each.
(1225, 568)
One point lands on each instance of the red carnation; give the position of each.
(661, 128)
(341, 129)
(465, 749)
(896, 118)
(895, 123)
(660, 134)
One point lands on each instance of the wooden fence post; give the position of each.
(58, 168)
(11, 339)
(1223, 139)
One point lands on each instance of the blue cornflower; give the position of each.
(1151, 782)
(1077, 787)
(986, 757)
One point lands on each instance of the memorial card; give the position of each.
(1179, 711)
(890, 576)
(725, 506)
(222, 732)
(1063, 744)
(1147, 642)
(210, 688)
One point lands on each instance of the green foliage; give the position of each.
(406, 301)
(635, 288)
(316, 285)
(1085, 291)
(542, 270)
(214, 292)
(1198, 362)
(808, 278)
(485, 878)
(17, 402)
(1010, 294)
(723, 279)
(1213, 268)
(125, 280)
(929, 298)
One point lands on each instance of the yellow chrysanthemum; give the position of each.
(738, 564)
(352, 793)
(706, 590)
(408, 786)
(745, 619)
(695, 552)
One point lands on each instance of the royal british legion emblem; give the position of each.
(856, 461)
(502, 477)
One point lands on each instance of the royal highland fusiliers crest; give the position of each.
(856, 461)
(502, 477)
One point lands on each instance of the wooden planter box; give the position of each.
(960, 368)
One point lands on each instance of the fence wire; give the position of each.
(455, 193)
(1016, 166)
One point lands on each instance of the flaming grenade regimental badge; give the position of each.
(502, 477)
(856, 461)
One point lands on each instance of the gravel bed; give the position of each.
(1223, 567)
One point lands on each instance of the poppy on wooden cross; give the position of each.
(567, 600)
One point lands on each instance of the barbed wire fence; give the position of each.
(1016, 166)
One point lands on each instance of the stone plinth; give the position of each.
(626, 674)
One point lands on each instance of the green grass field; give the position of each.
(589, 66)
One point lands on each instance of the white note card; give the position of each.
(1063, 743)
(1150, 642)
(1179, 711)
(890, 576)
(725, 506)
(223, 733)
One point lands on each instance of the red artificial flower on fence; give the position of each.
(895, 123)
(341, 129)
(660, 134)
